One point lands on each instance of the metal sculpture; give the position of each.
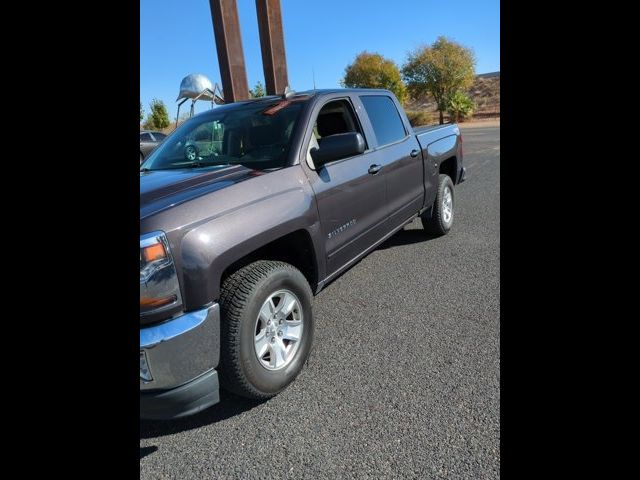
(198, 87)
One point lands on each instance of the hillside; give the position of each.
(485, 93)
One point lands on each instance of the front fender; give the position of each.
(210, 248)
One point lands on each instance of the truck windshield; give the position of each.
(257, 135)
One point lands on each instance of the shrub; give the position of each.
(159, 116)
(419, 117)
(460, 107)
(257, 91)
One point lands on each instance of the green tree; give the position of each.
(141, 112)
(441, 70)
(460, 106)
(159, 116)
(258, 90)
(372, 70)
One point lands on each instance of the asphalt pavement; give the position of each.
(404, 377)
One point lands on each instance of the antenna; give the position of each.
(313, 73)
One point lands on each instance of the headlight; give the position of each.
(159, 289)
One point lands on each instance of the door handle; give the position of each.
(414, 153)
(373, 169)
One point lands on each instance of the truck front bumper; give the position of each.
(177, 365)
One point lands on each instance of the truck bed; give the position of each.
(429, 134)
(428, 128)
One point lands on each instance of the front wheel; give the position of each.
(267, 328)
(190, 153)
(441, 219)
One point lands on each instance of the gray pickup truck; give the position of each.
(250, 209)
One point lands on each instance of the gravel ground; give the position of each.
(404, 378)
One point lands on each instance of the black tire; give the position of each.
(242, 296)
(436, 224)
(141, 158)
(191, 153)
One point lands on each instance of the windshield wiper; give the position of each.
(195, 164)
(186, 165)
(205, 164)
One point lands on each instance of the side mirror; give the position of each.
(335, 147)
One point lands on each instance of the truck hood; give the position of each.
(161, 189)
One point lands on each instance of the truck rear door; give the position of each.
(397, 150)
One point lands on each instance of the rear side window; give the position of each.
(159, 136)
(385, 118)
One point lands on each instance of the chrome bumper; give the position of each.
(180, 350)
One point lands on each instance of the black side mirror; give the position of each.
(335, 147)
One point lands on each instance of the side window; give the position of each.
(159, 136)
(385, 119)
(334, 117)
(203, 133)
(145, 137)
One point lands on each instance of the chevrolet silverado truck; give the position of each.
(248, 210)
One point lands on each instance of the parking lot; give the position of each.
(403, 380)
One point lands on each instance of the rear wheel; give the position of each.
(441, 219)
(267, 328)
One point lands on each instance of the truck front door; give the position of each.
(351, 196)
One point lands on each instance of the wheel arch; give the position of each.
(204, 267)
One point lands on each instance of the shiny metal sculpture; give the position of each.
(195, 86)
(198, 87)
